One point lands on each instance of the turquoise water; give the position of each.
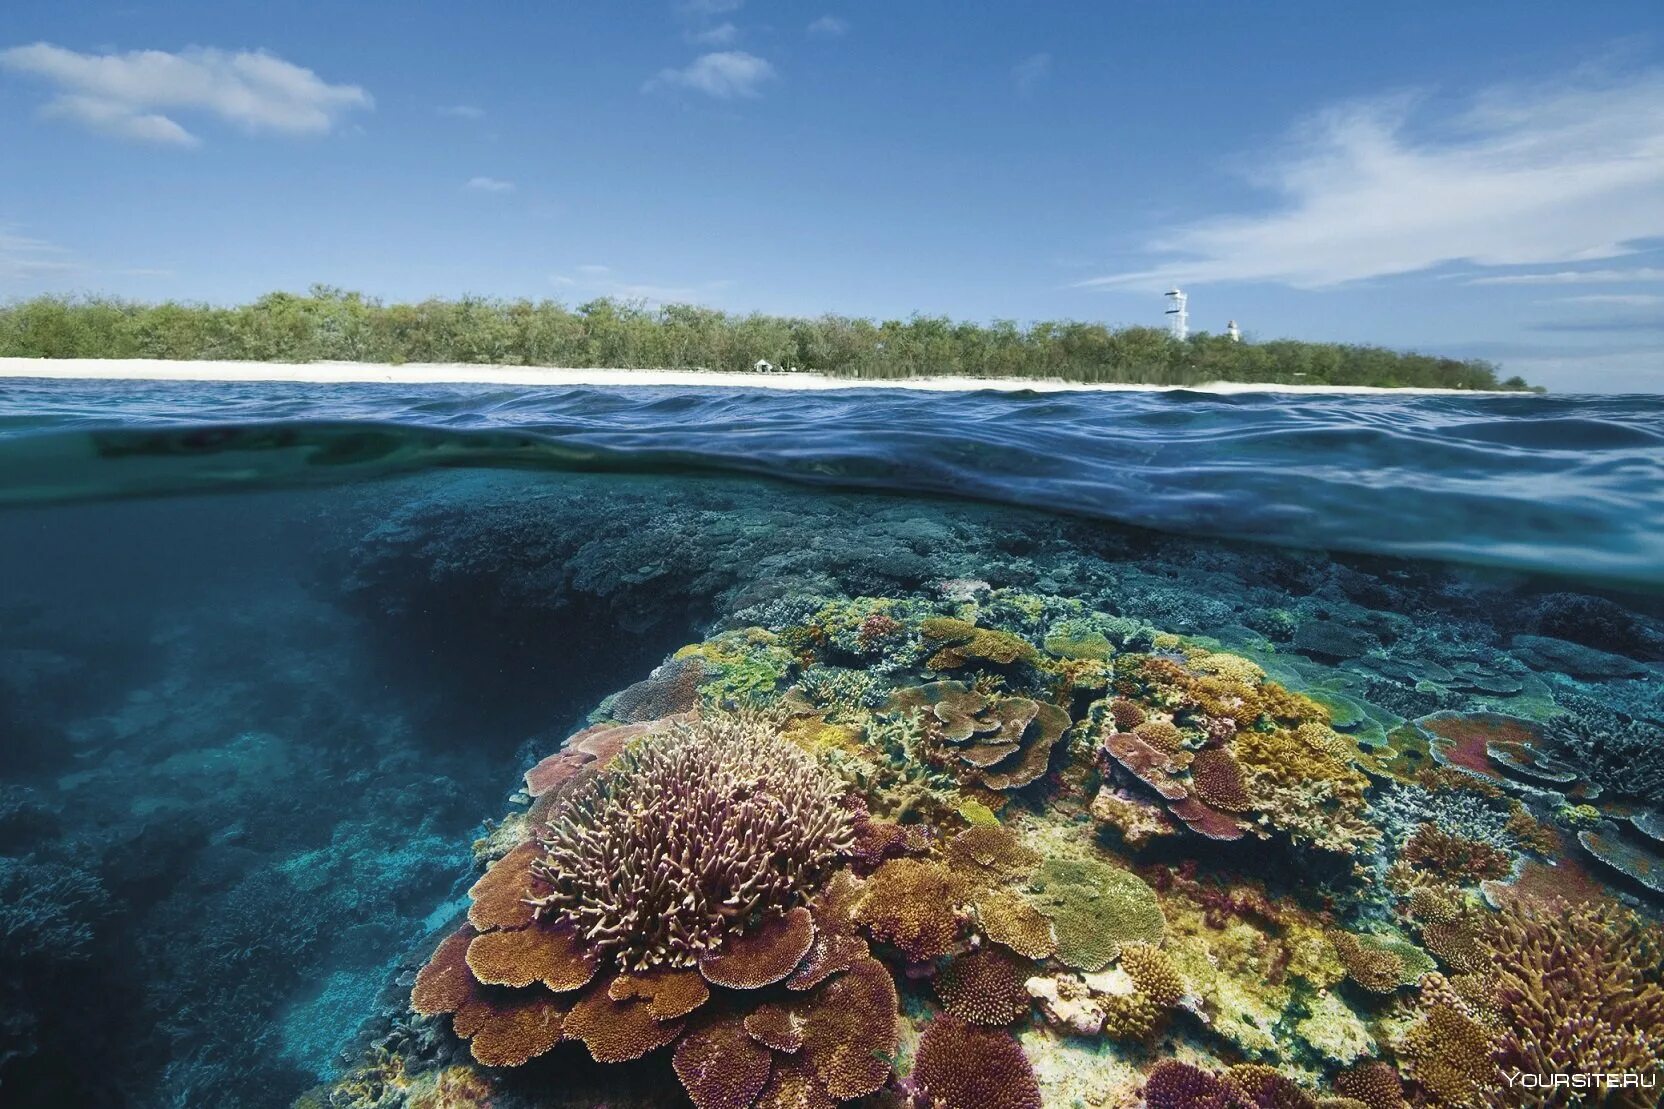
(272, 655)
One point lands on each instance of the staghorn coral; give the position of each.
(685, 838)
(1576, 987)
(1455, 858)
(1095, 908)
(984, 987)
(961, 1064)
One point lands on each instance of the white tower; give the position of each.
(1233, 332)
(1181, 317)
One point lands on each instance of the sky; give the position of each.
(1471, 179)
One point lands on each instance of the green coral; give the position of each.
(1078, 639)
(959, 643)
(750, 663)
(1095, 908)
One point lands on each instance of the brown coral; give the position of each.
(961, 1064)
(720, 1066)
(762, 956)
(911, 904)
(1455, 858)
(499, 897)
(1217, 778)
(539, 952)
(1009, 920)
(618, 1031)
(836, 945)
(984, 987)
(1451, 1056)
(1376, 1085)
(850, 1030)
(1126, 715)
(444, 983)
(992, 849)
(508, 1029)
(1163, 735)
(1576, 988)
(668, 994)
(960, 643)
(1370, 965)
(686, 837)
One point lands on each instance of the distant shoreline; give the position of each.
(147, 369)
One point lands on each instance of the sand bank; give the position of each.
(149, 369)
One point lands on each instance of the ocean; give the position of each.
(1099, 748)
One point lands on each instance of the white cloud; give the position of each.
(462, 111)
(723, 34)
(130, 95)
(724, 75)
(1552, 174)
(489, 185)
(1629, 299)
(829, 26)
(1573, 277)
(1031, 71)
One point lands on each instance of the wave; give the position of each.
(1564, 485)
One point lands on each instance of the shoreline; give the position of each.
(336, 373)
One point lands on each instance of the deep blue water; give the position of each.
(1571, 485)
(247, 734)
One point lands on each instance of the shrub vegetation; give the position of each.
(329, 324)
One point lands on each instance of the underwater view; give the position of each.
(374, 747)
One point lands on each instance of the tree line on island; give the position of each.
(329, 324)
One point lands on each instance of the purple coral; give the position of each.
(688, 838)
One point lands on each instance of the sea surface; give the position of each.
(273, 657)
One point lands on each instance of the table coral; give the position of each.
(1095, 908)
(984, 987)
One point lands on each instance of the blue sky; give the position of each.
(1469, 178)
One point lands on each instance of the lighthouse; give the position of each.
(1233, 332)
(1181, 317)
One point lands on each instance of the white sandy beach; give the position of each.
(148, 369)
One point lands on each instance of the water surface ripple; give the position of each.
(1571, 485)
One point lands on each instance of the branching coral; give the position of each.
(1455, 858)
(1577, 988)
(683, 841)
(960, 1064)
(984, 987)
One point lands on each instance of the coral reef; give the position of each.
(680, 843)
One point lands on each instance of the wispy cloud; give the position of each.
(22, 257)
(829, 26)
(1029, 72)
(489, 185)
(462, 111)
(131, 95)
(600, 281)
(725, 75)
(1573, 277)
(1628, 299)
(723, 34)
(1554, 174)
